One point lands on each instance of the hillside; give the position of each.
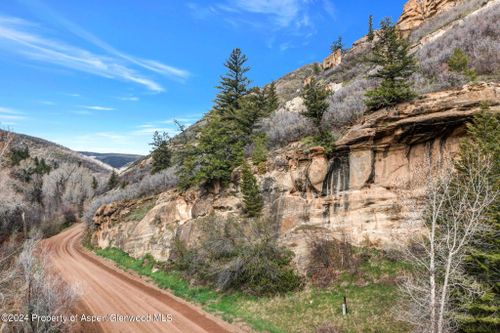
(45, 186)
(353, 189)
(52, 151)
(350, 191)
(115, 160)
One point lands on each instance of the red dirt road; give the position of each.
(108, 290)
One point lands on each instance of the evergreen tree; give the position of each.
(459, 62)
(272, 98)
(259, 152)
(220, 150)
(221, 141)
(483, 261)
(161, 152)
(370, 35)
(18, 154)
(234, 84)
(315, 99)
(337, 45)
(113, 180)
(95, 184)
(252, 198)
(390, 52)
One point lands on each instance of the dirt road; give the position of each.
(108, 290)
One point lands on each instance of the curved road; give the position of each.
(108, 290)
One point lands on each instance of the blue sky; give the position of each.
(104, 75)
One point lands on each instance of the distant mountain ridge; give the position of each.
(52, 151)
(115, 160)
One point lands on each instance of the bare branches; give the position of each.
(6, 138)
(454, 212)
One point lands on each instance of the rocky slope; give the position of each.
(353, 195)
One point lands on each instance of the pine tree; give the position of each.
(161, 152)
(95, 184)
(337, 45)
(259, 152)
(113, 180)
(370, 35)
(483, 261)
(234, 84)
(220, 150)
(272, 98)
(458, 62)
(221, 141)
(252, 198)
(315, 99)
(390, 52)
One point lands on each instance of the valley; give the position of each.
(359, 192)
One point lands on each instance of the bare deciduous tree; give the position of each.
(44, 292)
(6, 138)
(454, 212)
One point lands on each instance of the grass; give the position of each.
(371, 294)
(139, 212)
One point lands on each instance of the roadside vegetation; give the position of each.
(371, 293)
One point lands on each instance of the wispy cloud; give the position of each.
(282, 12)
(330, 9)
(51, 15)
(82, 112)
(97, 107)
(129, 98)
(10, 116)
(17, 36)
(290, 19)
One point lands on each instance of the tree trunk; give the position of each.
(444, 293)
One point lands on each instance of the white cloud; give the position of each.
(10, 116)
(16, 36)
(97, 107)
(330, 9)
(291, 20)
(129, 98)
(284, 12)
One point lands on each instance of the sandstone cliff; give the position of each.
(354, 194)
(415, 12)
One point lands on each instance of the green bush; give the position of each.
(259, 152)
(238, 255)
(18, 154)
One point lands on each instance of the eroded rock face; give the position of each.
(332, 60)
(354, 194)
(415, 12)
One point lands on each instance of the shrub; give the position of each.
(283, 127)
(459, 62)
(346, 105)
(328, 258)
(238, 255)
(442, 19)
(18, 154)
(477, 37)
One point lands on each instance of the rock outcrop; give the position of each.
(415, 12)
(354, 194)
(332, 60)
